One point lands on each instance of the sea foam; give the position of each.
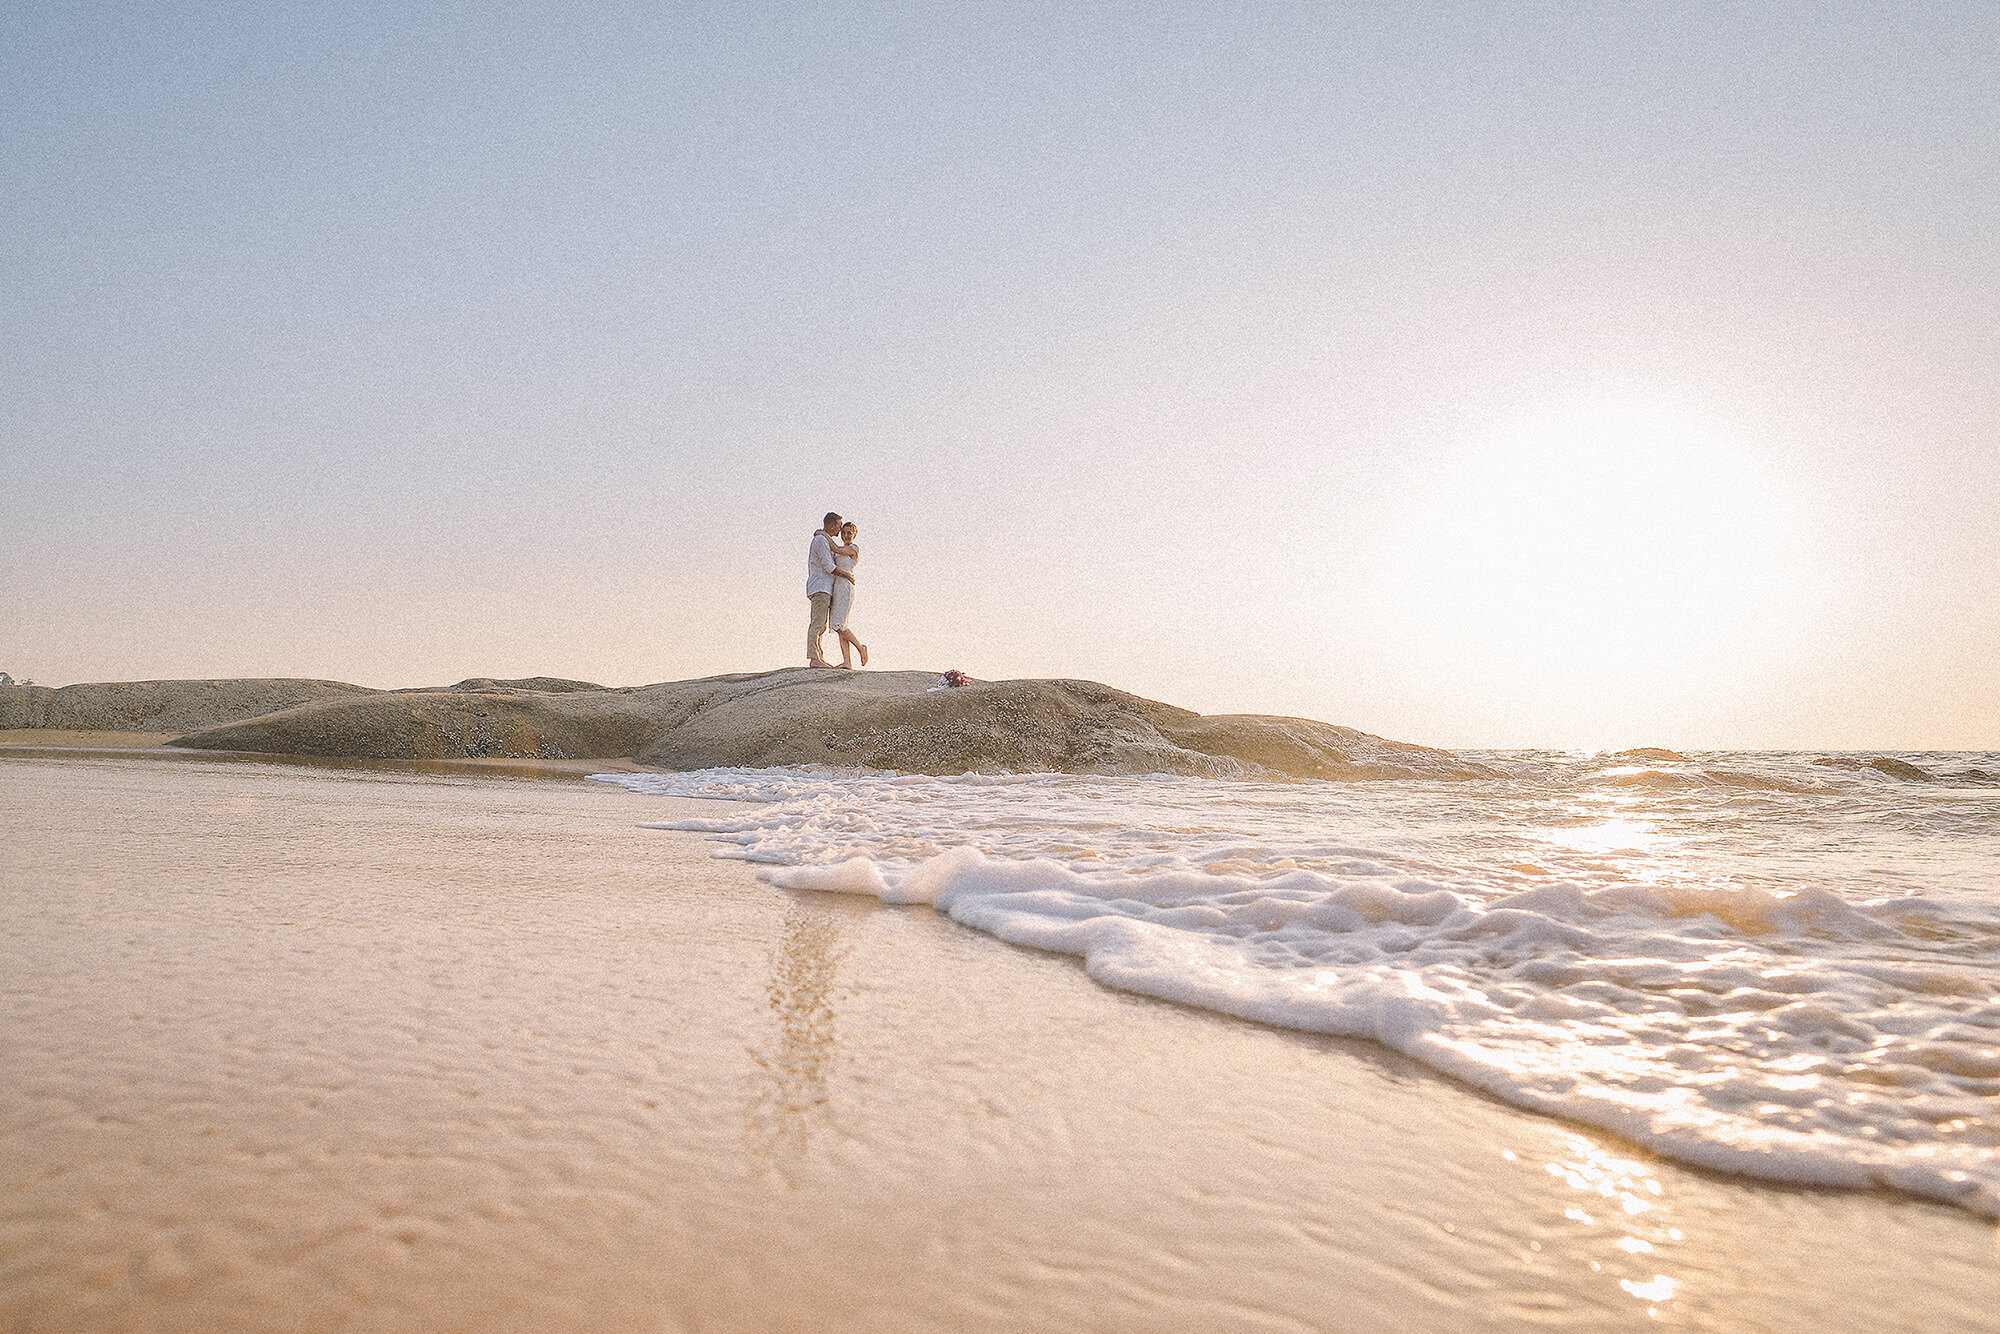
(1717, 968)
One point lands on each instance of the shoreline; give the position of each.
(506, 1054)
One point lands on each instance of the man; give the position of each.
(819, 586)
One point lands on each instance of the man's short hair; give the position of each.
(830, 520)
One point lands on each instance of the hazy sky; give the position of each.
(1474, 374)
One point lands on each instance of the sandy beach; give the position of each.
(398, 1048)
(731, 669)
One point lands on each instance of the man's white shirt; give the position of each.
(819, 566)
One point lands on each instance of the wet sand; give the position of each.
(409, 1048)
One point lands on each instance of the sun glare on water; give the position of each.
(1612, 547)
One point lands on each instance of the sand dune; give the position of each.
(890, 720)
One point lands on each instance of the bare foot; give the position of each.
(818, 663)
(864, 652)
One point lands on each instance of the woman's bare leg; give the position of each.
(847, 641)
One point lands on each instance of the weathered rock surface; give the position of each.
(541, 685)
(1881, 764)
(445, 725)
(1754, 782)
(160, 706)
(887, 720)
(1649, 753)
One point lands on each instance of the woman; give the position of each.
(845, 554)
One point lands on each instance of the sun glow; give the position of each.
(1607, 549)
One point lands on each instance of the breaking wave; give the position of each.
(1711, 960)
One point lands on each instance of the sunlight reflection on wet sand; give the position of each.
(298, 1049)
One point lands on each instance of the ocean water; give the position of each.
(1749, 962)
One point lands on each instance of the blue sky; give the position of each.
(406, 343)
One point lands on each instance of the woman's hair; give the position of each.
(849, 527)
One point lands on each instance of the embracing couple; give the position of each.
(830, 564)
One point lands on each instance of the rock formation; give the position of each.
(887, 720)
(160, 706)
(1881, 764)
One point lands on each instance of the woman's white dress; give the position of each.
(843, 591)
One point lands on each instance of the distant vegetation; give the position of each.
(6, 680)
